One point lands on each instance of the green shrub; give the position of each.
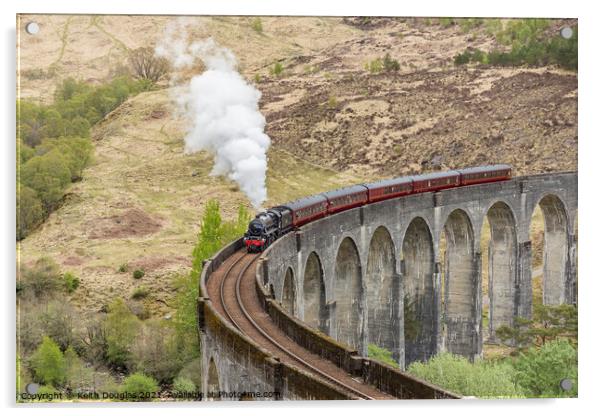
(277, 69)
(381, 354)
(457, 374)
(469, 23)
(256, 25)
(493, 26)
(374, 66)
(140, 292)
(192, 371)
(71, 282)
(522, 31)
(47, 393)
(184, 385)
(332, 102)
(123, 268)
(76, 151)
(462, 58)
(390, 64)
(529, 46)
(77, 375)
(563, 51)
(156, 351)
(140, 387)
(58, 321)
(386, 63)
(48, 363)
(540, 370)
(43, 279)
(47, 175)
(310, 69)
(470, 55)
(35, 73)
(30, 212)
(121, 327)
(446, 21)
(24, 153)
(138, 274)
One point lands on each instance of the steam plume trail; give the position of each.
(223, 111)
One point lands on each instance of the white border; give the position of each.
(589, 180)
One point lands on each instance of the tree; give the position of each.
(53, 123)
(540, 370)
(146, 65)
(549, 322)
(79, 127)
(29, 125)
(140, 387)
(94, 338)
(212, 236)
(209, 238)
(59, 322)
(121, 327)
(29, 211)
(155, 351)
(69, 88)
(24, 153)
(48, 175)
(78, 151)
(44, 278)
(75, 151)
(77, 375)
(48, 363)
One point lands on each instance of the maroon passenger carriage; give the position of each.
(271, 224)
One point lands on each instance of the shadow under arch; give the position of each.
(348, 294)
(554, 255)
(289, 292)
(314, 294)
(420, 308)
(501, 268)
(459, 284)
(383, 293)
(213, 384)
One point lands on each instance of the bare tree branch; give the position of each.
(145, 65)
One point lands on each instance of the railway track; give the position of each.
(232, 290)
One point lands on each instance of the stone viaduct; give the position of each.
(406, 274)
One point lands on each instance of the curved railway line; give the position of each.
(232, 290)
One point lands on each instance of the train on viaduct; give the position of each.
(297, 319)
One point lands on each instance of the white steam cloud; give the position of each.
(222, 108)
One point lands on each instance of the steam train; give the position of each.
(269, 225)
